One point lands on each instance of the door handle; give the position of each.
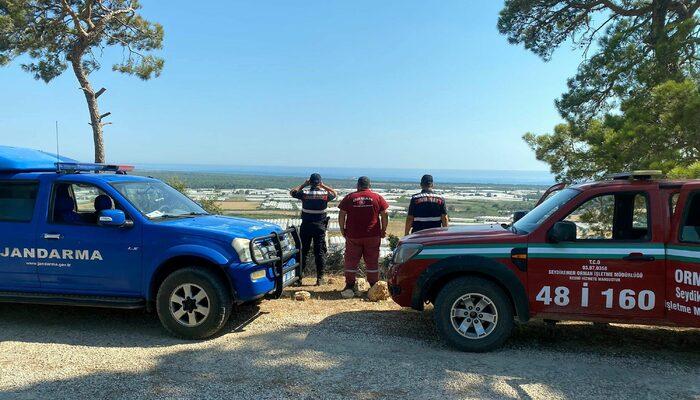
(638, 257)
(53, 236)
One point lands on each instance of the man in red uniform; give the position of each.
(363, 221)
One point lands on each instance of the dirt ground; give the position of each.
(331, 348)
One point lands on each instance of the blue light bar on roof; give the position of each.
(70, 167)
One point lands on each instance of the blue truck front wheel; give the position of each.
(193, 303)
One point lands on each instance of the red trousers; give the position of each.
(362, 248)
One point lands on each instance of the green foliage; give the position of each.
(393, 241)
(660, 130)
(634, 103)
(209, 205)
(52, 33)
(638, 45)
(691, 171)
(177, 184)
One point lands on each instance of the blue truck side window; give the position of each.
(79, 204)
(17, 200)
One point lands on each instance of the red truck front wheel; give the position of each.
(473, 314)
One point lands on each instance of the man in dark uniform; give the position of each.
(427, 209)
(314, 196)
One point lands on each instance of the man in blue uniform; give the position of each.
(314, 196)
(427, 208)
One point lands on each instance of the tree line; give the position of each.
(634, 102)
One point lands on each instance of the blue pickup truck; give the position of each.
(92, 235)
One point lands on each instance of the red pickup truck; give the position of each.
(625, 250)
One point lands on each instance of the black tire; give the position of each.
(218, 303)
(452, 292)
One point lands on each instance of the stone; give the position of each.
(378, 292)
(362, 285)
(302, 295)
(347, 294)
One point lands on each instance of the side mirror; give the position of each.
(518, 215)
(562, 231)
(112, 218)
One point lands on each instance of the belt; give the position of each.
(313, 211)
(427, 219)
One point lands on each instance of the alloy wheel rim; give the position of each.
(474, 316)
(189, 304)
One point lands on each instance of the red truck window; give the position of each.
(690, 229)
(673, 202)
(614, 216)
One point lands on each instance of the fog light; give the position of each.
(254, 276)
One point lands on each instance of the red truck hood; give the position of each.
(463, 233)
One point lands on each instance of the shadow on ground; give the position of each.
(363, 355)
(95, 327)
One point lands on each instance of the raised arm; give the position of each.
(330, 190)
(299, 188)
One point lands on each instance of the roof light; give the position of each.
(639, 174)
(88, 167)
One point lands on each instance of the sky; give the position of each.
(337, 83)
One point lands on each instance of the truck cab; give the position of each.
(624, 250)
(91, 235)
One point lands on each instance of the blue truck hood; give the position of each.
(222, 227)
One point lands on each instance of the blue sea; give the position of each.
(376, 174)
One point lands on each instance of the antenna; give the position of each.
(58, 157)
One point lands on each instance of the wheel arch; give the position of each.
(437, 275)
(178, 262)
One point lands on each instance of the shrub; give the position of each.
(335, 264)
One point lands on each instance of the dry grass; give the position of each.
(240, 205)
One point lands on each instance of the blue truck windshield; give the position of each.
(156, 200)
(539, 214)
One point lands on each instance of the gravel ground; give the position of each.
(331, 348)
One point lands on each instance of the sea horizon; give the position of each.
(451, 176)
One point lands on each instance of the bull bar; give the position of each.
(280, 259)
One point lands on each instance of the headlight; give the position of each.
(287, 243)
(406, 251)
(264, 249)
(242, 247)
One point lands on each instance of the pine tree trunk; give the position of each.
(81, 74)
(664, 53)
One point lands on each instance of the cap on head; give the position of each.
(426, 180)
(363, 182)
(315, 179)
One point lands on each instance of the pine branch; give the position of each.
(76, 20)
